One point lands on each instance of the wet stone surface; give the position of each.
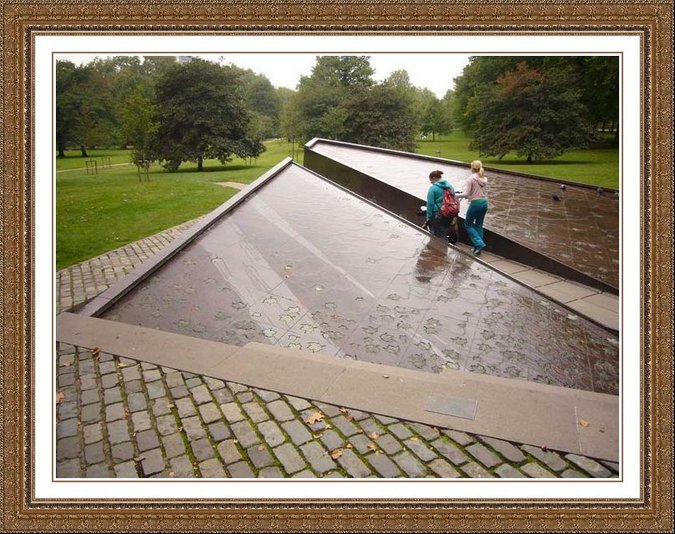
(581, 229)
(359, 284)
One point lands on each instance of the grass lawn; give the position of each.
(97, 213)
(74, 159)
(597, 166)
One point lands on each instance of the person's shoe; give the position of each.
(477, 251)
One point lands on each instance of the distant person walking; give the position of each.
(438, 224)
(474, 191)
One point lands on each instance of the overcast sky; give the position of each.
(432, 71)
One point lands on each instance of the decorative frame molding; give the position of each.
(21, 20)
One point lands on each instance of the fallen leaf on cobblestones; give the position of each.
(414, 438)
(66, 364)
(59, 397)
(373, 435)
(385, 376)
(95, 352)
(314, 418)
(261, 448)
(584, 423)
(327, 426)
(335, 454)
(349, 446)
(343, 410)
(373, 447)
(139, 458)
(127, 413)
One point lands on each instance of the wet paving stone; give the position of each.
(297, 432)
(508, 471)
(245, 434)
(202, 449)
(588, 465)
(122, 452)
(219, 431)
(173, 445)
(147, 440)
(259, 456)
(280, 411)
(232, 412)
(126, 470)
(420, 450)
(383, 465)
(353, 465)
(153, 462)
(443, 469)
(410, 465)
(240, 470)
(534, 470)
(212, 469)
(229, 452)
(450, 451)
(181, 467)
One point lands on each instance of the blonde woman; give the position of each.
(474, 191)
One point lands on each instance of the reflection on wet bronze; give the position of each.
(305, 265)
(578, 226)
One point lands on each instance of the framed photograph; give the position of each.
(164, 434)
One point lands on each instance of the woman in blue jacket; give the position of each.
(438, 225)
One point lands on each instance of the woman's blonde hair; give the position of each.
(477, 167)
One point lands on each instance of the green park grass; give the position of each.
(98, 213)
(598, 166)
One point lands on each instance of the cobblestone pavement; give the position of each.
(122, 418)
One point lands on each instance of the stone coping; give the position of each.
(551, 417)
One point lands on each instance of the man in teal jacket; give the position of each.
(438, 225)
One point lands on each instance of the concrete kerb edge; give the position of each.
(105, 300)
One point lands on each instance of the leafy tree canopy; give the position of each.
(202, 114)
(537, 114)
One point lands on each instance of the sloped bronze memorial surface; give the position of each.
(305, 265)
(581, 229)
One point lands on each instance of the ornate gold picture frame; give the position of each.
(22, 510)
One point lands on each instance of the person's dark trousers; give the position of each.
(444, 227)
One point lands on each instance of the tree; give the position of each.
(83, 110)
(537, 115)
(322, 96)
(140, 127)
(381, 116)
(289, 117)
(594, 78)
(260, 97)
(434, 114)
(201, 114)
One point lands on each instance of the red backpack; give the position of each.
(450, 204)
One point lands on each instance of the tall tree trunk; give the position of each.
(83, 149)
(433, 136)
(200, 164)
(529, 158)
(61, 146)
